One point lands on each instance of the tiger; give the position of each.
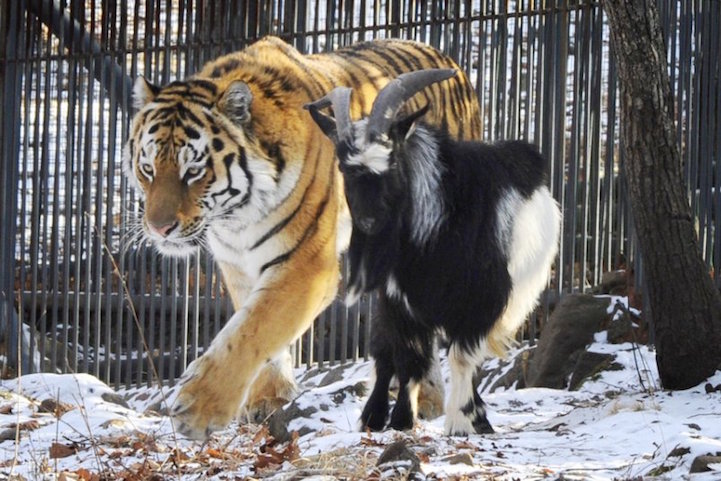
(228, 160)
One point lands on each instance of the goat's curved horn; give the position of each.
(396, 93)
(339, 99)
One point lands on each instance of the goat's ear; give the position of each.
(404, 127)
(326, 123)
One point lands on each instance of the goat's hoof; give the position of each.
(460, 424)
(372, 420)
(482, 426)
(401, 420)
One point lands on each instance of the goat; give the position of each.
(456, 236)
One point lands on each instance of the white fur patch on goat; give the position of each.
(463, 365)
(374, 157)
(528, 233)
(508, 206)
(394, 291)
(428, 208)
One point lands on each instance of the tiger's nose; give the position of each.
(164, 229)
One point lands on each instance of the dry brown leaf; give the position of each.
(465, 445)
(6, 409)
(58, 450)
(263, 433)
(214, 453)
(369, 441)
(271, 456)
(117, 454)
(26, 426)
(86, 475)
(178, 457)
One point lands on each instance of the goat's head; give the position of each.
(368, 149)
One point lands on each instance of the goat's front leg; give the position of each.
(466, 412)
(375, 411)
(413, 357)
(280, 307)
(412, 345)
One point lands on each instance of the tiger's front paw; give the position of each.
(274, 387)
(208, 399)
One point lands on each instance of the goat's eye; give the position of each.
(147, 169)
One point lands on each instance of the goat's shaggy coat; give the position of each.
(456, 236)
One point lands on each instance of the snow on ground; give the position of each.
(619, 426)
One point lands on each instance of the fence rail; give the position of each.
(83, 296)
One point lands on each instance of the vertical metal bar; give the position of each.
(166, 348)
(705, 118)
(102, 173)
(574, 175)
(21, 365)
(716, 158)
(559, 144)
(320, 339)
(172, 295)
(184, 269)
(41, 160)
(502, 72)
(333, 328)
(11, 49)
(594, 133)
(210, 301)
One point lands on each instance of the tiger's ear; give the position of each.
(143, 92)
(235, 102)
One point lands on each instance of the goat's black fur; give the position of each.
(451, 274)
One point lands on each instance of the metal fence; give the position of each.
(76, 297)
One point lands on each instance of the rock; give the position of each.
(281, 418)
(678, 452)
(569, 330)
(113, 398)
(710, 388)
(398, 455)
(54, 407)
(620, 330)
(612, 282)
(588, 364)
(516, 376)
(701, 463)
(334, 375)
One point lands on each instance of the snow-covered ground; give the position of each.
(619, 426)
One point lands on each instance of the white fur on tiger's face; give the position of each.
(195, 165)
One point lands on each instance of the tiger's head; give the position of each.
(198, 159)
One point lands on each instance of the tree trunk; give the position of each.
(685, 304)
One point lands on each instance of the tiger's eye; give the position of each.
(193, 171)
(147, 169)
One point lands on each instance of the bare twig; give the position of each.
(141, 333)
